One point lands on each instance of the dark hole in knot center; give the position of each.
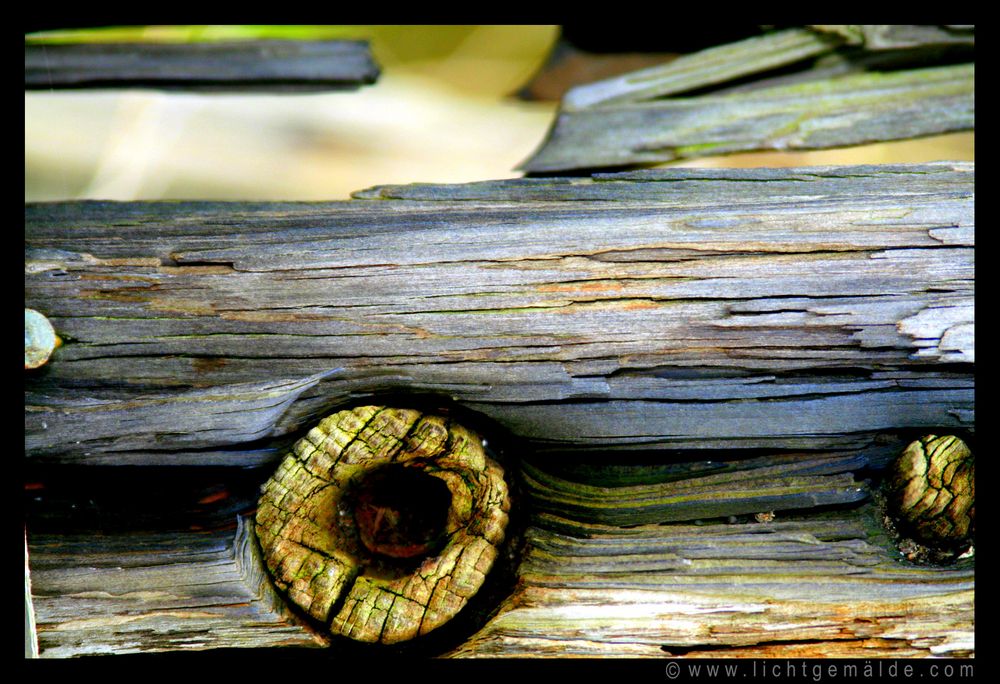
(402, 512)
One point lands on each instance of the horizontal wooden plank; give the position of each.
(789, 309)
(706, 68)
(804, 588)
(851, 109)
(157, 592)
(261, 65)
(801, 582)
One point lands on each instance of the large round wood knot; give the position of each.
(382, 523)
(931, 492)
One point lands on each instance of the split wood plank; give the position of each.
(816, 87)
(134, 593)
(754, 308)
(816, 583)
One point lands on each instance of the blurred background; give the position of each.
(453, 104)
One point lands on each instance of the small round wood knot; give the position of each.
(931, 492)
(382, 523)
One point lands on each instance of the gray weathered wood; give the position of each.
(819, 586)
(815, 87)
(672, 351)
(811, 582)
(705, 68)
(137, 593)
(851, 110)
(789, 309)
(898, 36)
(262, 65)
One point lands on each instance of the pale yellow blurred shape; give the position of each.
(307, 147)
(440, 112)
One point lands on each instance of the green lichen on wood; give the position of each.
(783, 485)
(800, 88)
(850, 110)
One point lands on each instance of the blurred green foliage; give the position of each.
(189, 34)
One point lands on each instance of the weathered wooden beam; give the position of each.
(799, 583)
(251, 66)
(795, 89)
(899, 36)
(755, 308)
(138, 593)
(815, 586)
(851, 110)
(705, 68)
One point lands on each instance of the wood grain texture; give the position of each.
(313, 533)
(812, 581)
(852, 109)
(801, 88)
(139, 593)
(691, 309)
(706, 68)
(672, 353)
(815, 586)
(816, 51)
(250, 66)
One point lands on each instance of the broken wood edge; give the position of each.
(30, 634)
(855, 109)
(712, 66)
(250, 562)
